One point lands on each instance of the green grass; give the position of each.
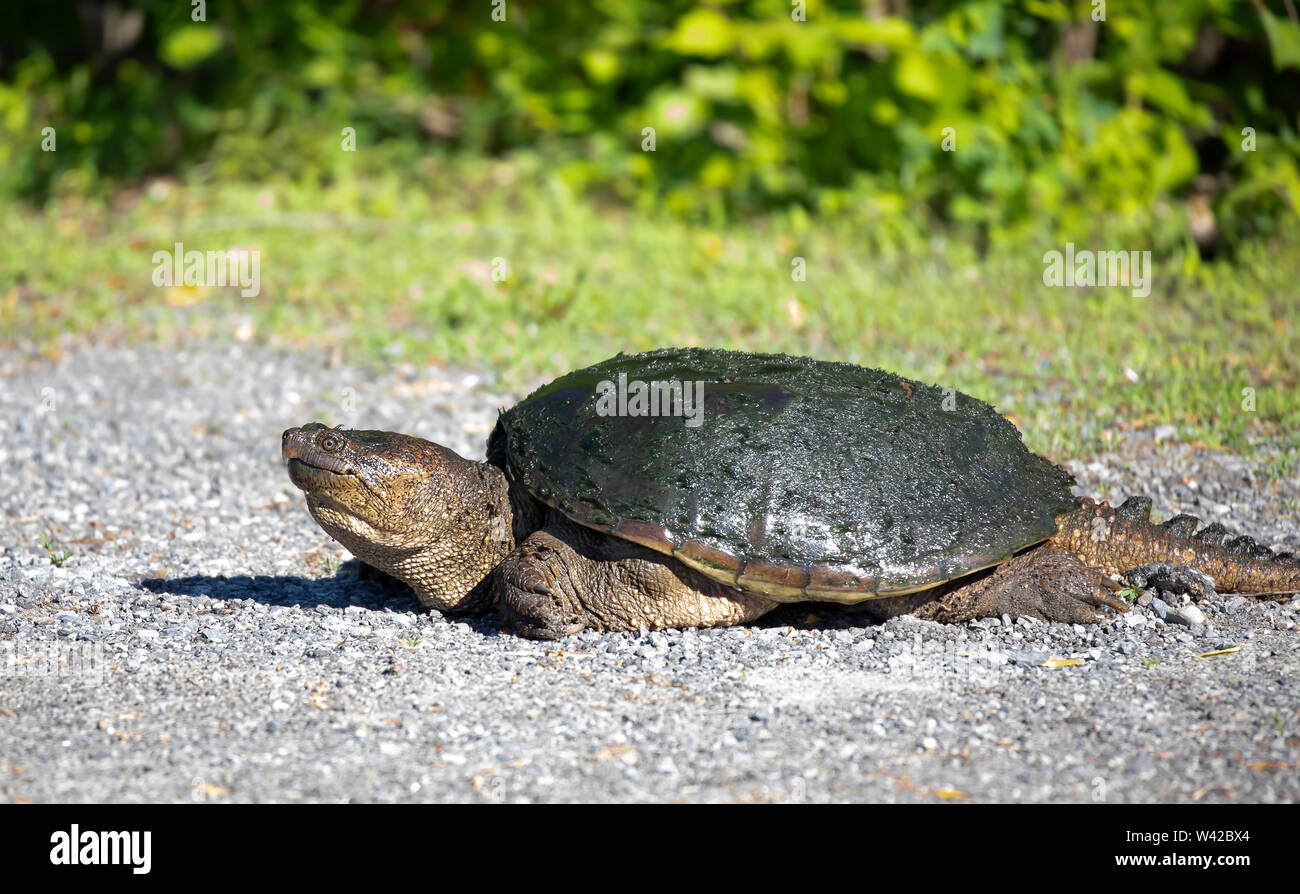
(57, 556)
(379, 272)
(1130, 594)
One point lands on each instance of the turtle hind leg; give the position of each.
(566, 578)
(1042, 583)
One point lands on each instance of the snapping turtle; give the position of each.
(694, 487)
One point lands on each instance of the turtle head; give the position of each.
(402, 504)
(389, 487)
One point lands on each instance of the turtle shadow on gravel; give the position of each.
(355, 585)
(815, 616)
(347, 588)
(279, 590)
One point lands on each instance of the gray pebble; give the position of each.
(1188, 615)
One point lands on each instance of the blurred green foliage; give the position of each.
(1133, 124)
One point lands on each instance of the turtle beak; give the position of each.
(300, 444)
(296, 443)
(310, 468)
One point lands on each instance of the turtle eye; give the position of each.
(329, 443)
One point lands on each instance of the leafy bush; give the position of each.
(1134, 123)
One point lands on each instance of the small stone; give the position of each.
(1160, 608)
(1187, 614)
(666, 766)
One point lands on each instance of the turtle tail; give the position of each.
(1120, 538)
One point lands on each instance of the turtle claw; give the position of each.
(536, 613)
(1106, 596)
(1043, 584)
(530, 578)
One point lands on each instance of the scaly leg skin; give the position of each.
(566, 578)
(1041, 583)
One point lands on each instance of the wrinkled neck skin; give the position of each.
(449, 565)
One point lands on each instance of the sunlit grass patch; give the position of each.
(523, 286)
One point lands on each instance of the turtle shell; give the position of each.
(796, 478)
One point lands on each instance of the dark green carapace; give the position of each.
(801, 479)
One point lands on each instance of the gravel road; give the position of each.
(204, 640)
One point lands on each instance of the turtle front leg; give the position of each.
(566, 578)
(1041, 583)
